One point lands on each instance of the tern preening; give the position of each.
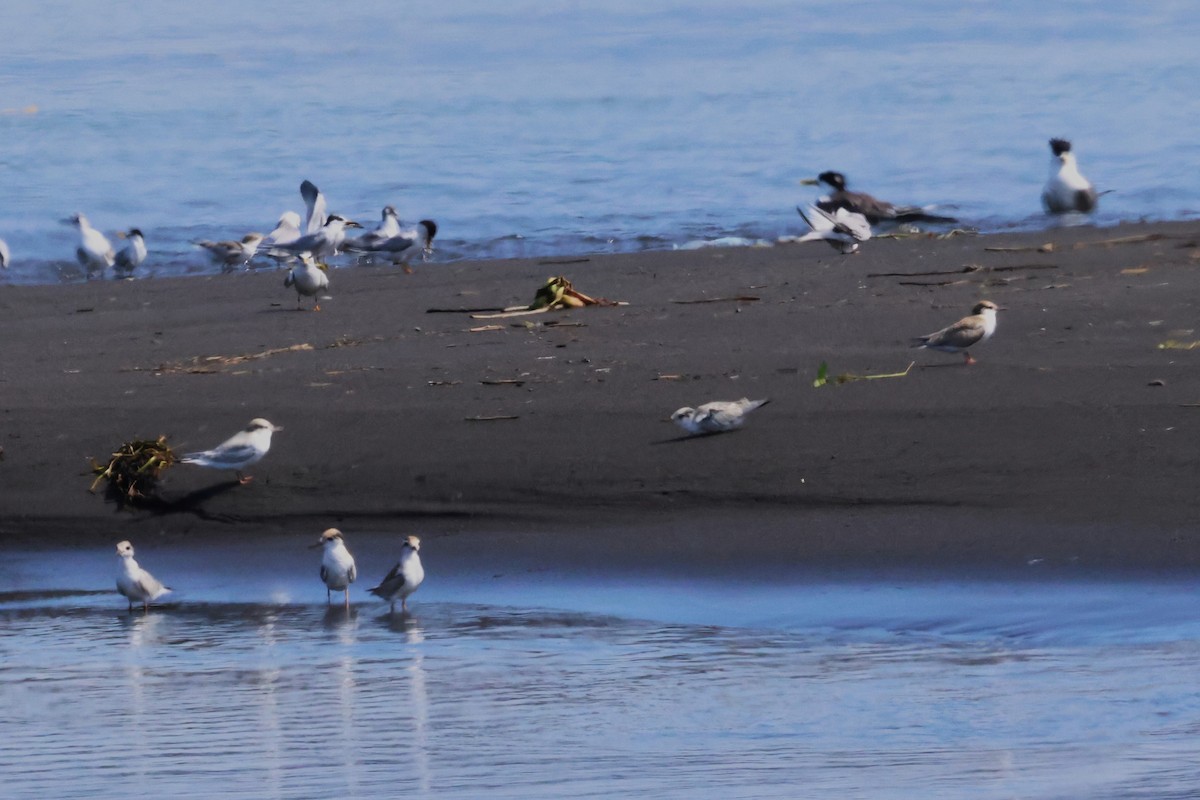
(401, 248)
(875, 210)
(1067, 190)
(971, 330)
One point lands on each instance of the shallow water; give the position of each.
(536, 684)
(528, 129)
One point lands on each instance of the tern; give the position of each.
(337, 565)
(401, 248)
(243, 449)
(389, 228)
(1067, 190)
(716, 417)
(322, 244)
(875, 210)
(404, 578)
(309, 279)
(132, 254)
(230, 254)
(968, 331)
(843, 229)
(4, 255)
(135, 583)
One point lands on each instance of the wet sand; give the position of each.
(1071, 440)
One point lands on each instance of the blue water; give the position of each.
(540, 128)
(542, 683)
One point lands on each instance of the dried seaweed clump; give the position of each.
(134, 470)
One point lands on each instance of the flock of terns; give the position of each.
(842, 218)
(338, 570)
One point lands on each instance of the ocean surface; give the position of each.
(552, 127)
(547, 684)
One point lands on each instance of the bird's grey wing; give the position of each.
(314, 201)
(352, 573)
(324, 574)
(289, 279)
(963, 333)
(82, 256)
(233, 455)
(148, 585)
(391, 583)
(809, 218)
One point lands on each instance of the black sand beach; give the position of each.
(1072, 440)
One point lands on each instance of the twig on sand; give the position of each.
(1048, 247)
(491, 418)
(965, 269)
(1135, 239)
(741, 298)
(847, 377)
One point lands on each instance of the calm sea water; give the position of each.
(543, 684)
(537, 128)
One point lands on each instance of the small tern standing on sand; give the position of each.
(4, 254)
(132, 254)
(717, 416)
(309, 280)
(404, 578)
(875, 210)
(843, 229)
(135, 583)
(230, 254)
(95, 252)
(968, 331)
(337, 565)
(1067, 190)
(243, 449)
(322, 244)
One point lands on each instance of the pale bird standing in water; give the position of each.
(243, 449)
(308, 279)
(95, 252)
(4, 254)
(1067, 190)
(337, 565)
(404, 578)
(968, 331)
(135, 583)
(716, 417)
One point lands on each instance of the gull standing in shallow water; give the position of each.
(309, 280)
(717, 416)
(243, 449)
(404, 578)
(337, 565)
(230, 254)
(136, 583)
(968, 331)
(1067, 190)
(133, 254)
(875, 210)
(95, 252)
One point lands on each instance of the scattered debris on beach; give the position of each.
(133, 470)
(557, 293)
